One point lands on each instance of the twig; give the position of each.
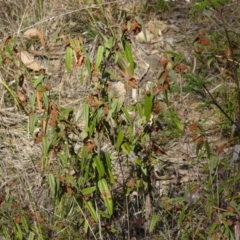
(220, 108)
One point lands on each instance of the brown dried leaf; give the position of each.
(38, 138)
(157, 149)
(8, 40)
(21, 96)
(229, 222)
(39, 100)
(35, 33)
(132, 82)
(44, 125)
(131, 183)
(79, 60)
(227, 52)
(53, 122)
(105, 110)
(220, 149)
(70, 190)
(199, 50)
(157, 107)
(181, 67)
(92, 101)
(135, 27)
(29, 61)
(18, 219)
(95, 73)
(230, 209)
(90, 146)
(163, 61)
(169, 207)
(148, 206)
(193, 127)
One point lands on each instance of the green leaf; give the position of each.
(99, 57)
(55, 36)
(205, 4)
(38, 80)
(104, 214)
(31, 236)
(83, 135)
(12, 93)
(126, 148)
(207, 147)
(87, 61)
(109, 168)
(86, 226)
(128, 55)
(52, 183)
(86, 114)
(5, 232)
(19, 235)
(8, 52)
(106, 195)
(211, 61)
(120, 138)
(100, 167)
(91, 210)
(25, 224)
(144, 170)
(176, 121)
(148, 106)
(112, 109)
(129, 25)
(89, 190)
(109, 43)
(127, 115)
(138, 162)
(32, 122)
(213, 164)
(120, 103)
(173, 76)
(45, 99)
(46, 145)
(108, 46)
(140, 109)
(212, 228)
(68, 62)
(153, 223)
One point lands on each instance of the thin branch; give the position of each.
(220, 108)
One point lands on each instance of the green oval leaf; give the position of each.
(68, 62)
(126, 148)
(32, 122)
(120, 138)
(99, 166)
(91, 210)
(89, 190)
(86, 113)
(99, 57)
(153, 223)
(148, 106)
(106, 195)
(128, 55)
(52, 183)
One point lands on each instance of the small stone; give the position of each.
(141, 37)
